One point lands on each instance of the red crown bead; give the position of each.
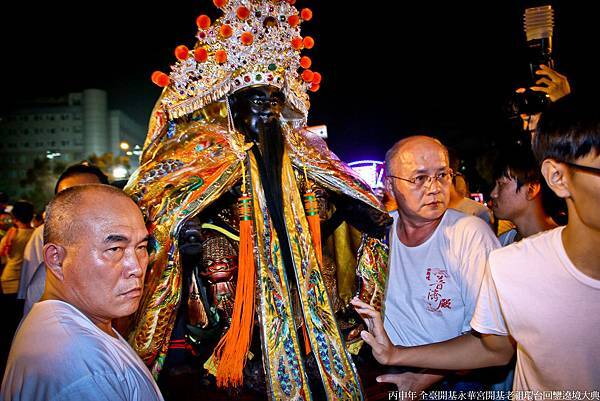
(293, 20)
(200, 54)
(297, 43)
(308, 42)
(306, 14)
(305, 62)
(307, 75)
(246, 38)
(242, 13)
(221, 56)
(160, 78)
(226, 31)
(203, 22)
(182, 52)
(316, 78)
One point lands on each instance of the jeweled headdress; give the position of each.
(255, 42)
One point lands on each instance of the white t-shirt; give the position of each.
(432, 288)
(533, 292)
(33, 273)
(58, 354)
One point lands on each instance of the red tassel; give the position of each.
(311, 206)
(232, 350)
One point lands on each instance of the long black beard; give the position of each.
(269, 158)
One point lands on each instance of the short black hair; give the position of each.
(517, 163)
(23, 211)
(81, 168)
(567, 130)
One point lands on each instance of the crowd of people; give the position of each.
(457, 297)
(272, 266)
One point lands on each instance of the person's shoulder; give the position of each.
(472, 206)
(54, 331)
(522, 252)
(462, 222)
(37, 237)
(61, 324)
(38, 232)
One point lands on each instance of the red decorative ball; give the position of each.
(242, 13)
(219, 3)
(305, 62)
(308, 42)
(200, 54)
(314, 87)
(226, 31)
(159, 78)
(247, 38)
(317, 78)
(306, 14)
(293, 20)
(297, 43)
(220, 56)
(203, 21)
(308, 75)
(291, 2)
(182, 52)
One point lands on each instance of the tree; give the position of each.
(40, 179)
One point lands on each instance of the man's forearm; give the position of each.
(465, 352)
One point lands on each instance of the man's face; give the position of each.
(77, 179)
(584, 188)
(507, 201)
(104, 268)
(416, 160)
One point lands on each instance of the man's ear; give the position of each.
(387, 185)
(533, 190)
(54, 256)
(555, 174)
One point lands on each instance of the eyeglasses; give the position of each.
(424, 180)
(585, 169)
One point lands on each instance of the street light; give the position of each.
(119, 172)
(124, 146)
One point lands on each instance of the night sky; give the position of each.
(390, 68)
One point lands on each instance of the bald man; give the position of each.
(437, 255)
(95, 251)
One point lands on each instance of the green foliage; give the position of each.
(39, 181)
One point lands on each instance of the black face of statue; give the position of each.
(256, 113)
(256, 108)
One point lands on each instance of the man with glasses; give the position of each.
(541, 294)
(437, 255)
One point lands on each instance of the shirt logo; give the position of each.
(435, 300)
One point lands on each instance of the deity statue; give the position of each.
(262, 234)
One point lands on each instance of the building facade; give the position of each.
(67, 129)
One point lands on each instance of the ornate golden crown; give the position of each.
(255, 42)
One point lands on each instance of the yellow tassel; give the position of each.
(232, 350)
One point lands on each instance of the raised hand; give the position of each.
(376, 337)
(555, 85)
